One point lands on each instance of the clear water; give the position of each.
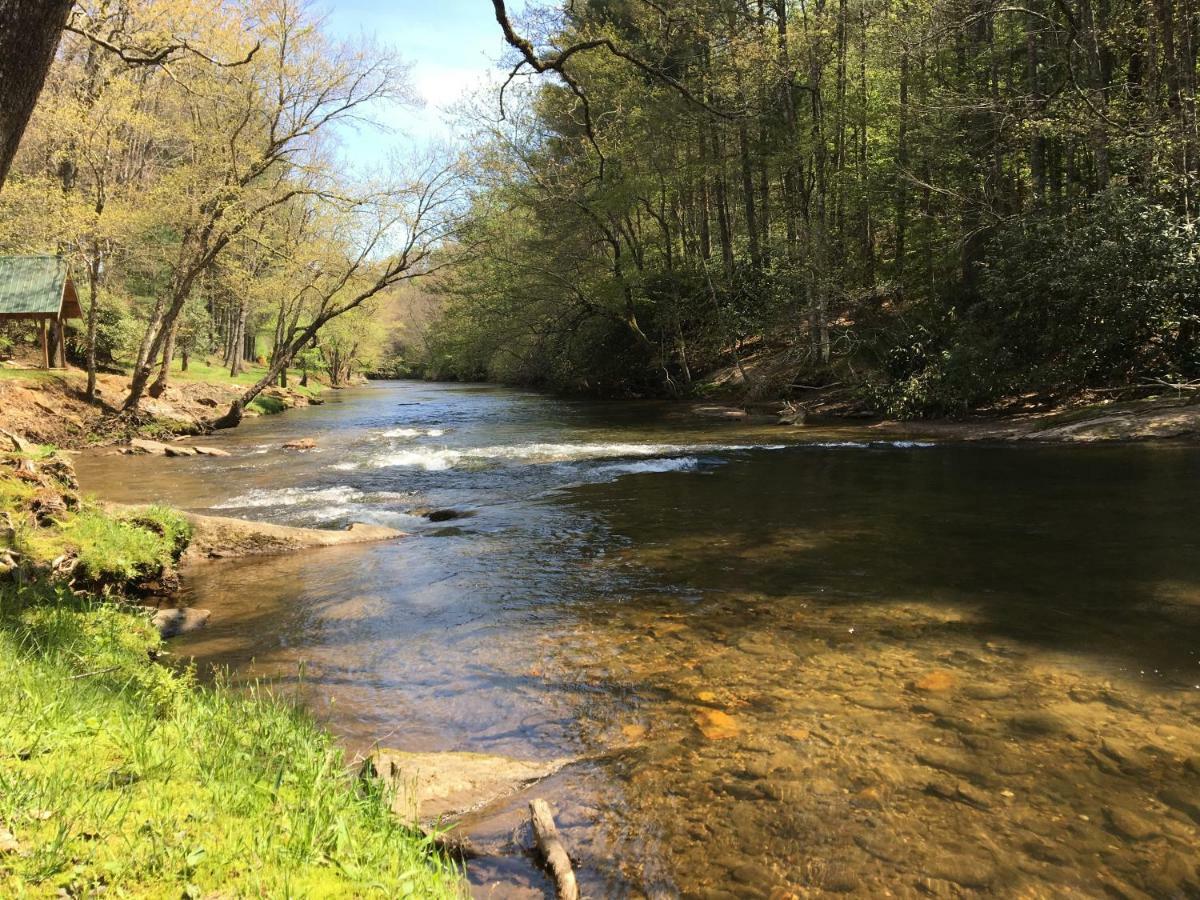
(789, 661)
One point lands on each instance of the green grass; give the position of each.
(199, 370)
(29, 374)
(124, 776)
(119, 774)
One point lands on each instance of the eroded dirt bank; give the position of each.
(51, 408)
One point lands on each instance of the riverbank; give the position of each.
(51, 407)
(1152, 418)
(123, 773)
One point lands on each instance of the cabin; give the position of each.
(39, 289)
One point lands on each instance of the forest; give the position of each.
(943, 205)
(183, 158)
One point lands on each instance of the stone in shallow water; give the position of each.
(1128, 824)
(1038, 723)
(880, 846)
(1183, 801)
(172, 622)
(839, 878)
(1129, 758)
(936, 682)
(953, 762)
(987, 691)
(1173, 876)
(431, 785)
(876, 700)
(716, 725)
(963, 869)
(933, 707)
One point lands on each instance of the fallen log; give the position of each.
(553, 851)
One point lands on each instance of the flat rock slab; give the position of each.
(430, 786)
(222, 537)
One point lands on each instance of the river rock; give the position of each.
(1187, 803)
(1037, 723)
(301, 444)
(430, 786)
(1131, 760)
(1128, 824)
(963, 869)
(173, 450)
(933, 706)
(444, 515)
(876, 700)
(211, 451)
(839, 878)
(172, 622)
(953, 762)
(987, 691)
(146, 446)
(716, 725)
(936, 682)
(1173, 876)
(880, 847)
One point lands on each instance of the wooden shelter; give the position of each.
(40, 289)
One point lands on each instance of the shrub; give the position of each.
(1103, 297)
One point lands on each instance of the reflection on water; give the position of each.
(843, 666)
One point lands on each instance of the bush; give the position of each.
(1103, 297)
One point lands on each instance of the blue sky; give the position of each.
(453, 46)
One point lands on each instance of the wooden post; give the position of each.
(62, 343)
(45, 346)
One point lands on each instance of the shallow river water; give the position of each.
(790, 662)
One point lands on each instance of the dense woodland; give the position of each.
(941, 204)
(183, 156)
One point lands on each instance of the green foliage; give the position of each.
(1107, 297)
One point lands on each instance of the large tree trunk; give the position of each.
(29, 34)
(168, 356)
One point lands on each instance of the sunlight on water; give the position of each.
(842, 665)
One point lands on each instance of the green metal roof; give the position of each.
(32, 285)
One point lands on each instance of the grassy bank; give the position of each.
(119, 773)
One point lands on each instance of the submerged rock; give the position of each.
(716, 725)
(1038, 723)
(301, 444)
(172, 622)
(968, 871)
(1128, 825)
(1131, 760)
(936, 682)
(430, 786)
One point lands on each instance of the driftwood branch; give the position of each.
(553, 851)
(1173, 385)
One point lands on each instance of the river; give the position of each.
(792, 661)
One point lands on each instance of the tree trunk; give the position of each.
(29, 34)
(93, 301)
(168, 354)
